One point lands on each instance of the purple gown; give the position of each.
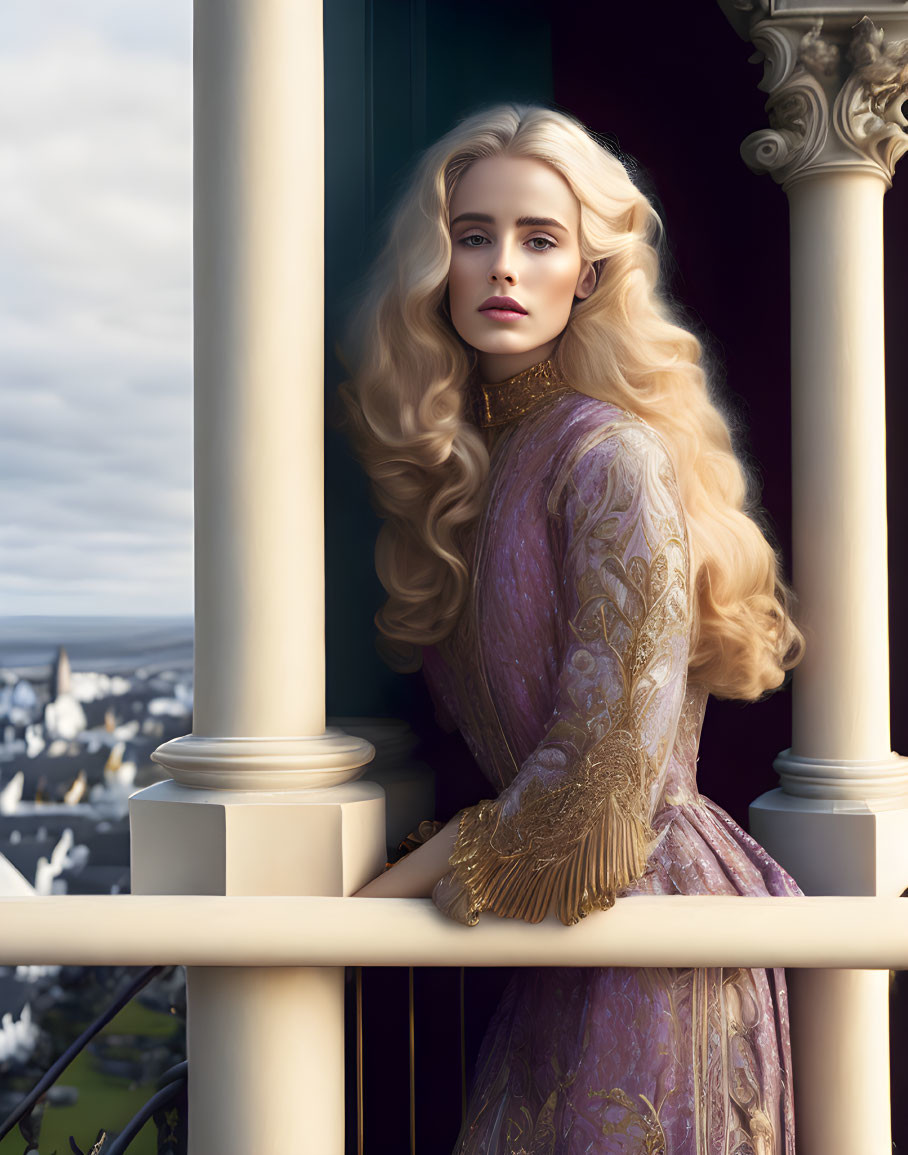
(567, 675)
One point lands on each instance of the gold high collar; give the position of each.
(507, 401)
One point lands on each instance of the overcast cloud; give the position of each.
(95, 306)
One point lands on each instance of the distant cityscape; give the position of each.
(76, 734)
(84, 702)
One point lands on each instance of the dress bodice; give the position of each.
(567, 671)
(567, 674)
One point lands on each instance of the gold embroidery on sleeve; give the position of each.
(575, 840)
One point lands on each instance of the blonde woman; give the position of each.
(568, 550)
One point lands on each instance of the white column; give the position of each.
(841, 696)
(839, 823)
(840, 1032)
(835, 88)
(259, 708)
(266, 1059)
(263, 799)
(259, 263)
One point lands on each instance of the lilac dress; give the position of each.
(567, 675)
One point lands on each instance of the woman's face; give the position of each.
(515, 234)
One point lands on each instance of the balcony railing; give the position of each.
(839, 935)
(284, 931)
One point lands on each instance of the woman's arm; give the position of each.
(417, 873)
(574, 828)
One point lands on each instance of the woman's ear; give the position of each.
(589, 275)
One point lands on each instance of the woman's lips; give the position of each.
(502, 314)
(502, 309)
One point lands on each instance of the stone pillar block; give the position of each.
(194, 841)
(835, 846)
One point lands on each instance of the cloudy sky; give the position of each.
(95, 307)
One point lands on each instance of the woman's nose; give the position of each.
(503, 270)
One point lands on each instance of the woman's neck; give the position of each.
(495, 367)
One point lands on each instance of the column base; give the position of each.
(265, 763)
(185, 840)
(840, 846)
(883, 780)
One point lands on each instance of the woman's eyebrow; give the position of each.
(531, 222)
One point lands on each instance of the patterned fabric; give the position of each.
(567, 675)
(506, 401)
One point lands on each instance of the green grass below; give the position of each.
(104, 1101)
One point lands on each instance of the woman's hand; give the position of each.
(416, 874)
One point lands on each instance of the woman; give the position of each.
(568, 547)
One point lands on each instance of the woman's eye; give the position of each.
(477, 241)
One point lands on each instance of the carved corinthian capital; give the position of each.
(869, 111)
(836, 89)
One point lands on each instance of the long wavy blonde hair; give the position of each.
(428, 464)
